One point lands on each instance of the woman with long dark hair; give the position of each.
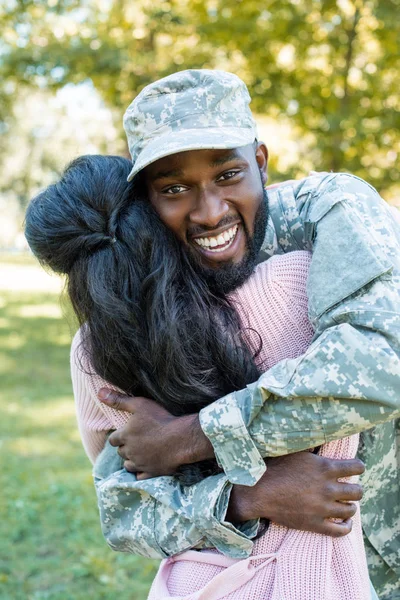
(151, 326)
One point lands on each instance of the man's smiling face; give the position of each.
(213, 201)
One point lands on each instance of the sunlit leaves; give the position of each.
(330, 67)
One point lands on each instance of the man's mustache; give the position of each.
(225, 222)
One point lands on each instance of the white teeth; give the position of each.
(223, 239)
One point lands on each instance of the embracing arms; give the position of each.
(159, 517)
(347, 380)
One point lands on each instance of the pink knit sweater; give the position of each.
(285, 564)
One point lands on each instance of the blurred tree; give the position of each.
(332, 67)
(329, 66)
(49, 130)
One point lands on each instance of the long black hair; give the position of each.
(151, 325)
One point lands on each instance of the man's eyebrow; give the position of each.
(176, 172)
(166, 174)
(224, 159)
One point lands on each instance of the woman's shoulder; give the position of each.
(276, 278)
(79, 354)
(283, 266)
(279, 281)
(273, 301)
(82, 364)
(287, 272)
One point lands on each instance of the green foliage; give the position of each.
(51, 546)
(330, 67)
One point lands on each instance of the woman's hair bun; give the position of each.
(78, 215)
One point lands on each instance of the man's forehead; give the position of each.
(175, 163)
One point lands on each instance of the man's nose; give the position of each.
(210, 208)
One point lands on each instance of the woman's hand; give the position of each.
(153, 442)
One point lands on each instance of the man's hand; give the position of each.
(301, 491)
(153, 442)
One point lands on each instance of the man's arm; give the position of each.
(349, 378)
(159, 517)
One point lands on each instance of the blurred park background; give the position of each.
(324, 78)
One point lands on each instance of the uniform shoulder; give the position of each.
(319, 183)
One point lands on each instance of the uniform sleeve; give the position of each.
(348, 380)
(159, 517)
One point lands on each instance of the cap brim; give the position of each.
(219, 138)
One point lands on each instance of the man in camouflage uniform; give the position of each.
(346, 382)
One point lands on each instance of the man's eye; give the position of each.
(227, 175)
(174, 189)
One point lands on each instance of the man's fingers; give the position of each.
(343, 510)
(348, 468)
(337, 529)
(140, 475)
(349, 491)
(116, 400)
(121, 452)
(115, 439)
(130, 466)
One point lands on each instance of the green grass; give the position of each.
(51, 546)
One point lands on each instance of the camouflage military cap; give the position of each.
(189, 110)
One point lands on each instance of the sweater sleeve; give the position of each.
(93, 423)
(95, 420)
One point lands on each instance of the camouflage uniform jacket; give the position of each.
(346, 382)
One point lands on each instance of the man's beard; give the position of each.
(227, 277)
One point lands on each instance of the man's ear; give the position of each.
(262, 160)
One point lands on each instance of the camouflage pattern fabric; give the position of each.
(349, 377)
(380, 507)
(188, 110)
(159, 517)
(347, 381)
